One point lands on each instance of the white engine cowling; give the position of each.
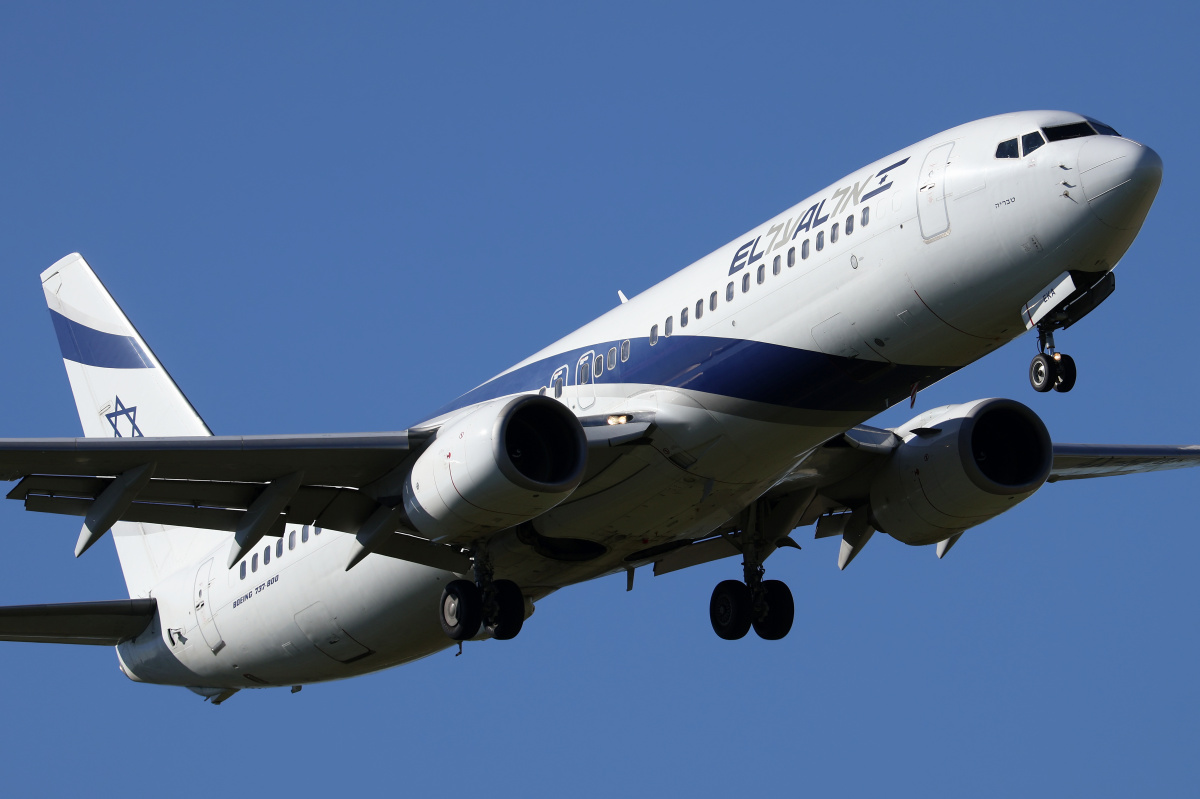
(497, 466)
(959, 466)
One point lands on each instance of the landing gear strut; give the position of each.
(765, 605)
(1050, 369)
(497, 604)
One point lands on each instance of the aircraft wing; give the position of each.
(98, 623)
(838, 471)
(209, 482)
(248, 485)
(1080, 461)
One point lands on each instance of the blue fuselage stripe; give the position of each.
(739, 369)
(91, 347)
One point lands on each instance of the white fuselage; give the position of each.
(937, 248)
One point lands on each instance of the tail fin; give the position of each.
(121, 389)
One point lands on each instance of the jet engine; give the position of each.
(959, 466)
(496, 466)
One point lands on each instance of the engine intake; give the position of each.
(959, 466)
(496, 466)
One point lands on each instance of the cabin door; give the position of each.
(202, 600)
(585, 384)
(931, 193)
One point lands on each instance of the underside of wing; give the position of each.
(97, 623)
(1079, 461)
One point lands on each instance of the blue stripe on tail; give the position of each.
(90, 347)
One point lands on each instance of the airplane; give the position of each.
(706, 418)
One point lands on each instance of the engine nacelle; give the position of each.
(497, 466)
(959, 466)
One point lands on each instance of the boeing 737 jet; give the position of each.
(707, 418)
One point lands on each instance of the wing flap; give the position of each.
(207, 505)
(96, 623)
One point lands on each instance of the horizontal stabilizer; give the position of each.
(96, 623)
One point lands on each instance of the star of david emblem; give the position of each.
(120, 410)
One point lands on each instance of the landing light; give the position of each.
(622, 419)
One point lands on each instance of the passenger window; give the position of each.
(729, 292)
(254, 563)
(316, 531)
(243, 570)
(267, 555)
(304, 534)
(791, 257)
(833, 234)
(558, 386)
(762, 273)
(612, 357)
(279, 547)
(583, 371)
(624, 350)
(292, 540)
(668, 325)
(653, 335)
(1031, 141)
(776, 264)
(821, 241)
(804, 250)
(745, 282)
(598, 366)
(699, 308)
(1007, 149)
(683, 317)
(866, 216)
(849, 224)
(712, 301)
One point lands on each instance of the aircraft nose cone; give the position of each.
(1119, 179)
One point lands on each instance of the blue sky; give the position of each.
(331, 219)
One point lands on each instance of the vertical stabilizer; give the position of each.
(121, 390)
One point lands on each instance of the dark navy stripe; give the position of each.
(735, 368)
(90, 347)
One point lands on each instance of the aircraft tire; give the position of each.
(461, 610)
(1042, 373)
(781, 611)
(511, 610)
(1066, 374)
(730, 610)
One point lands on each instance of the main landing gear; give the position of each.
(765, 605)
(497, 604)
(1050, 369)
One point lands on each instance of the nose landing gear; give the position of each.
(1050, 369)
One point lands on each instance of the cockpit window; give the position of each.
(1007, 149)
(1102, 129)
(1075, 130)
(1031, 141)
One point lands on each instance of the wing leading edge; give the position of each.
(97, 623)
(1081, 461)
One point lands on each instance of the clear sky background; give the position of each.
(336, 218)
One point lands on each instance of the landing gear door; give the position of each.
(202, 601)
(931, 193)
